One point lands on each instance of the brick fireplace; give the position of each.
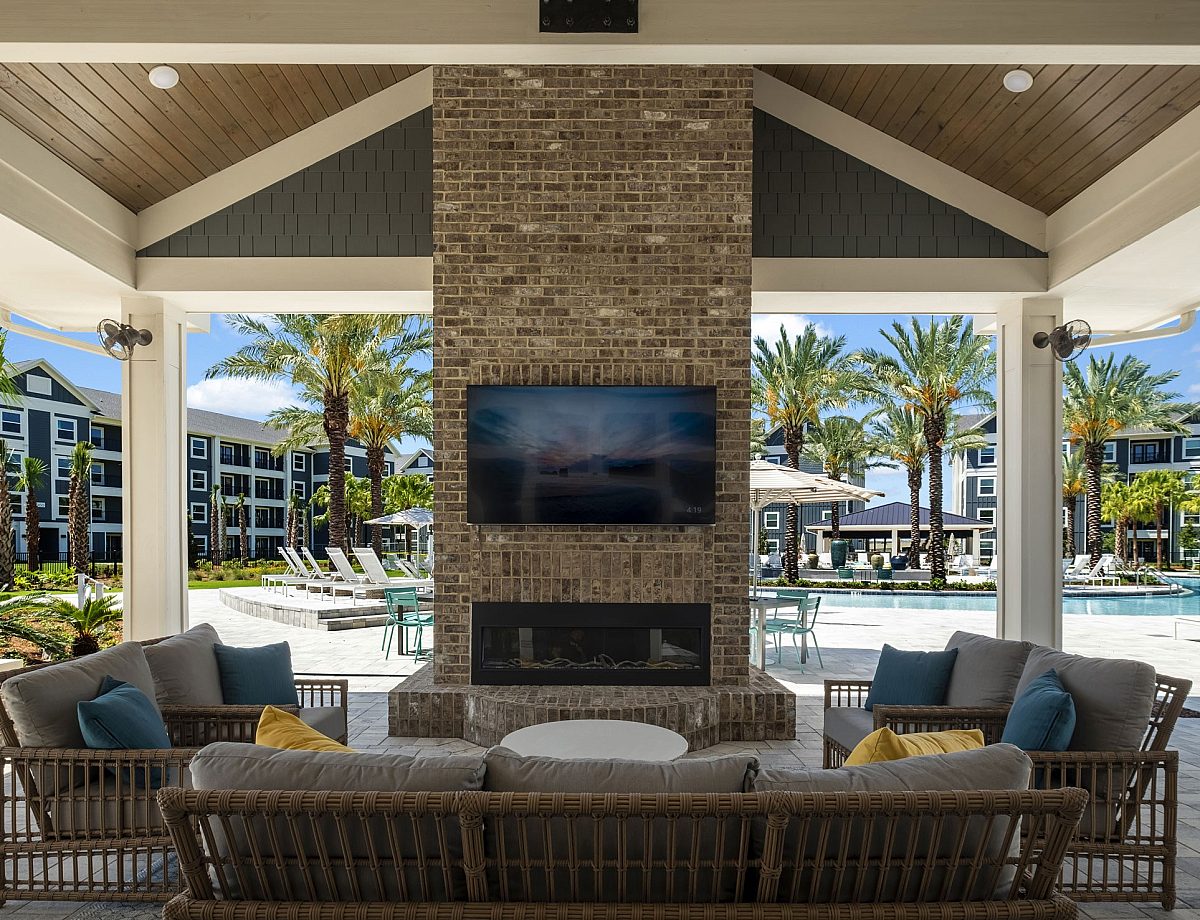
(592, 226)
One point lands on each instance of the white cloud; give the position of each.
(1194, 389)
(767, 325)
(244, 398)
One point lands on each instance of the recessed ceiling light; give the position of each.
(165, 77)
(1017, 81)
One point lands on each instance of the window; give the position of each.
(235, 454)
(987, 515)
(1146, 452)
(298, 489)
(389, 469)
(199, 481)
(199, 513)
(1193, 519)
(826, 515)
(97, 474)
(299, 463)
(38, 385)
(62, 506)
(1110, 451)
(199, 449)
(987, 548)
(10, 422)
(349, 464)
(772, 546)
(97, 437)
(771, 520)
(65, 429)
(1191, 448)
(17, 501)
(987, 456)
(201, 544)
(987, 485)
(97, 509)
(64, 467)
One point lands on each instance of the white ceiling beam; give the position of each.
(286, 157)
(1142, 194)
(43, 194)
(686, 31)
(898, 159)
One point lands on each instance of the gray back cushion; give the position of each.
(986, 670)
(813, 848)
(704, 849)
(1113, 697)
(42, 703)
(357, 858)
(185, 669)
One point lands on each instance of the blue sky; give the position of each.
(255, 400)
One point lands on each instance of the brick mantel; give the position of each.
(592, 225)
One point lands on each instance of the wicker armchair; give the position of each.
(1126, 846)
(84, 824)
(481, 855)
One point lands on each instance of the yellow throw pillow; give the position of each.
(279, 729)
(884, 744)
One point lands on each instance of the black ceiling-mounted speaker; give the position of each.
(119, 339)
(588, 15)
(1067, 341)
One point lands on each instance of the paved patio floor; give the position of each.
(850, 643)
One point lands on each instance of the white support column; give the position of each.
(1029, 529)
(154, 427)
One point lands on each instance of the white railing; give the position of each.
(87, 588)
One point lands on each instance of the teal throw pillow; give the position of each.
(257, 676)
(1043, 717)
(122, 717)
(911, 678)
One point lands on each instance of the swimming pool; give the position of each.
(1176, 605)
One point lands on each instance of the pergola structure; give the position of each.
(1077, 199)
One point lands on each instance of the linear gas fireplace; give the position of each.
(606, 644)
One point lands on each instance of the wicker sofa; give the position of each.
(1127, 841)
(83, 824)
(461, 840)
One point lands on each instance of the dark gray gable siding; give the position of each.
(375, 198)
(58, 392)
(812, 200)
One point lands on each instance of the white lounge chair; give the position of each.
(377, 575)
(293, 576)
(1098, 573)
(315, 566)
(315, 577)
(349, 581)
(1080, 566)
(824, 560)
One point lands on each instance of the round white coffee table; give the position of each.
(597, 739)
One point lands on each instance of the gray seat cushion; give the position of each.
(814, 867)
(184, 668)
(848, 725)
(330, 721)
(42, 703)
(986, 671)
(102, 809)
(508, 771)
(342, 853)
(1113, 697)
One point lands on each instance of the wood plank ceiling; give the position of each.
(141, 144)
(1043, 146)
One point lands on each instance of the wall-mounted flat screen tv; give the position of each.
(591, 455)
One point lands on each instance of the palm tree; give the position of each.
(322, 356)
(841, 446)
(758, 437)
(935, 371)
(794, 381)
(79, 507)
(243, 523)
(295, 509)
(1160, 490)
(8, 549)
(356, 505)
(1124, 506)
(91, 623)
(403, 492)
(388, 403)
(1074, 484)
(1105, 400)
(216, 509)
(16, 623)
(33, 476)
(898, 435)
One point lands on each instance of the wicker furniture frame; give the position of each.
(1134, 793)
(666, 857)
(111, 846)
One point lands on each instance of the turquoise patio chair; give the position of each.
(404, 613)
(800, 623)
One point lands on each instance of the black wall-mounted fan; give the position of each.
(119, 339)
(1066, 341)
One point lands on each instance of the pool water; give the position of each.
(1161, 606)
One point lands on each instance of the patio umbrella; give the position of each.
(413, 517)
(774, 482)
